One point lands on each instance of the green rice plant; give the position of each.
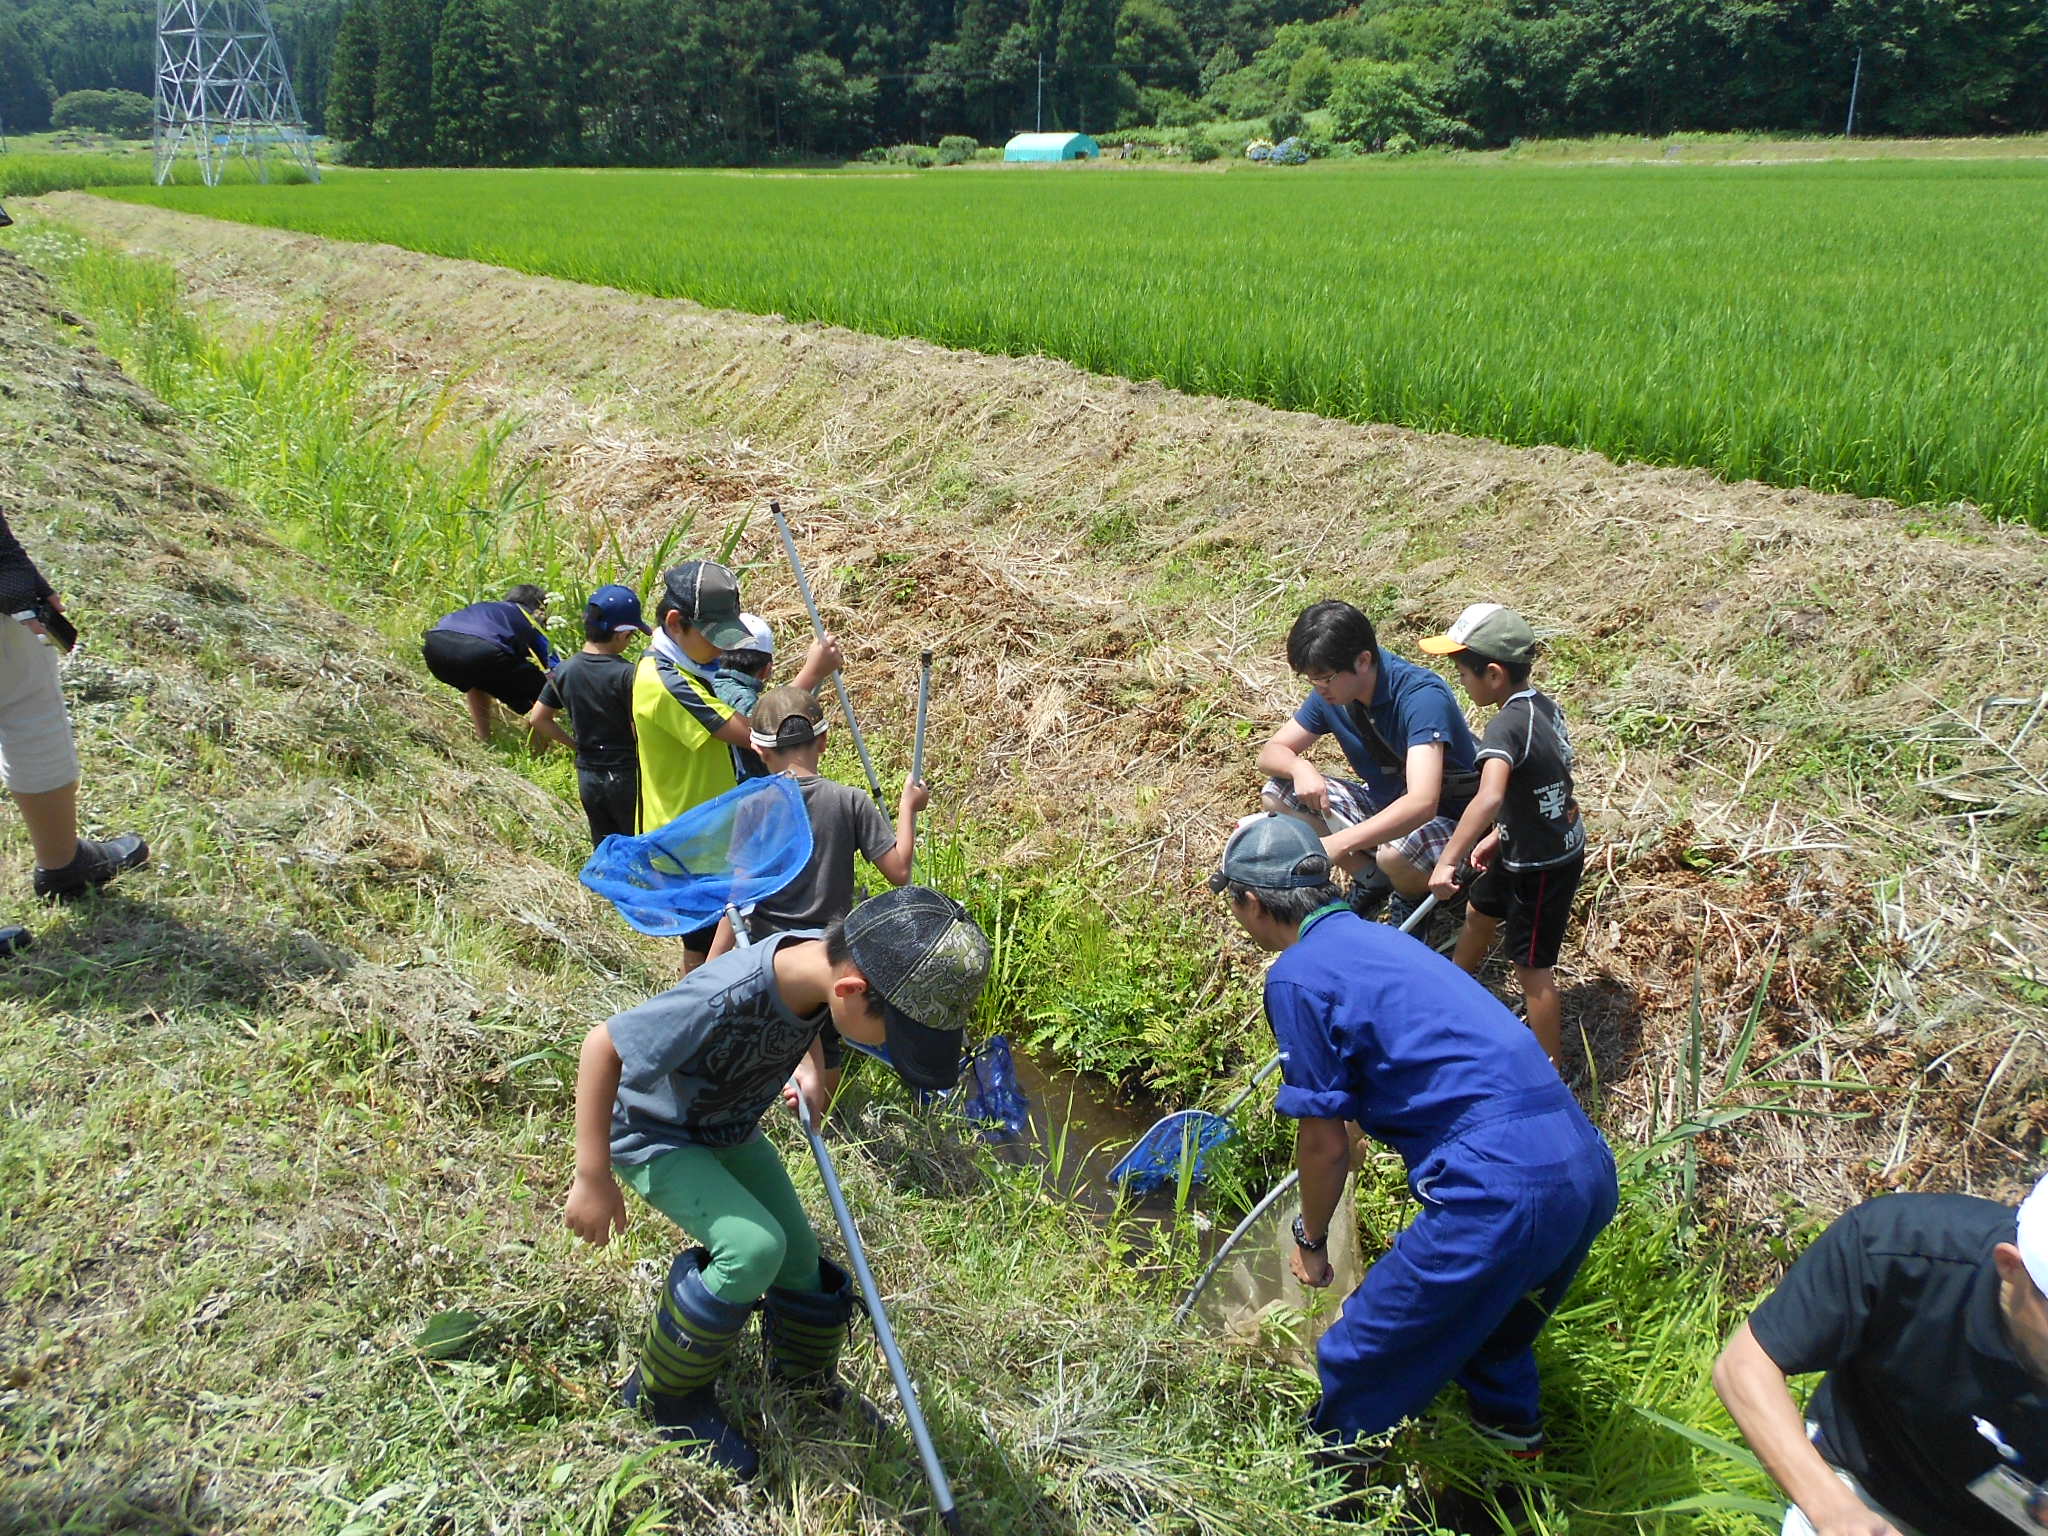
(1858, 327)
(34, 173)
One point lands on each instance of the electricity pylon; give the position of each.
(222, 90)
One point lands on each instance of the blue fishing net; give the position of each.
(740, 848)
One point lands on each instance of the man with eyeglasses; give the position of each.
(1401, 732)
(1928, 1315)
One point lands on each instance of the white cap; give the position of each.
(759, 636)
(2033, 1238)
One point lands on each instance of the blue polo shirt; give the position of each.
(1376, 1028)
(506, 625)
(1411, 707)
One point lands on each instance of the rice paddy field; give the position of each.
(1868, 327)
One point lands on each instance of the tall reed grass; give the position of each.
(1867, 327)
(33, 173)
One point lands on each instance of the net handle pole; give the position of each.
(924, 700)
(803, 586)
(857, 1257)
(1276, 1193)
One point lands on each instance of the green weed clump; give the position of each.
(30, 175)
(1853, 327)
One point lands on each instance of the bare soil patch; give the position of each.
(1807, 724)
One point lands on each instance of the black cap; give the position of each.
(926, 962)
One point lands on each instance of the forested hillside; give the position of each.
(667, 81)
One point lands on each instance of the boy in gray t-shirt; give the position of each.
(789, 733)
(669, 1100)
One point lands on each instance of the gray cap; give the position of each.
(1488, 631)
(708, 597)
(1272, 853)
(926, 962)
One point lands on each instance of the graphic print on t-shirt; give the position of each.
(1539, 820)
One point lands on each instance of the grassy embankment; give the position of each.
(1746, 320)
(295, 1091)
(28, 173)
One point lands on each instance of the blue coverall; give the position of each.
(1513, 1181)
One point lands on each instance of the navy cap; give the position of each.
(617, 606)
(1272, 853)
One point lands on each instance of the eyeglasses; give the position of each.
(1320, 679)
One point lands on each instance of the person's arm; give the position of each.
(814, 1080)
(1478, 820)
(895, 865)
(1423, 777)
(595, 1208)
(737, 731)
(1757, 1398)
(1281, 758)
(541, 721)
(724, 939)
(820, 662)
(1322, 1151)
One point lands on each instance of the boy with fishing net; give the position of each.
(670, 1096)
(788, 730)
(1512, 1180)
(689, 737)
(1522, 832)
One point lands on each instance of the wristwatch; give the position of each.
(1301, 1238)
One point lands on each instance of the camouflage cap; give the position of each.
(926, 962)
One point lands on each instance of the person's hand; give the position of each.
(1850, 1518)
(1311, 1269)
(1481, 857)
(823, 659)
(916, 797)
(35, 626)
(595, 1208)
(1443, 881)
(802, 1081)
(1311, 789)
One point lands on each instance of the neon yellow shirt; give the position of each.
(682, 763)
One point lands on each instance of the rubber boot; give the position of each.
(92, 866)
(14, 940)
(675, 1383)
(804, 1332)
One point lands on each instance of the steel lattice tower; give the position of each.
(222, 90)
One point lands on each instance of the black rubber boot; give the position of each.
(675, 1383)
(805, 1331)
(1369, 892)
(14, 940)
(93, 866)
(1359, 1468)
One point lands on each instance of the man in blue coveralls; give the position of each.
(1513, 1181)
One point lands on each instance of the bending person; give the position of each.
(493, 651)
(1403, 735)
(1512, 1180)
(38, 759)
(1928, 1314)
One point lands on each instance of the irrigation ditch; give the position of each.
(1804, 972)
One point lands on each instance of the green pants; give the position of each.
(739, 1203)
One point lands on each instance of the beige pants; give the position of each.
(1796, 1524)
(36, 754)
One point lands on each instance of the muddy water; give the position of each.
(1078, 1131)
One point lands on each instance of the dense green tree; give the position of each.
(127, 114)
(404, 133)
(352, 77)
(1152, 47)
(466, 67)
(1084, 62)
(24, 87)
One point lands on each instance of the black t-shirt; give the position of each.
(597, 691)
(1539, 820)
(1898, 1303)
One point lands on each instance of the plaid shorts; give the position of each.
(1352, 803)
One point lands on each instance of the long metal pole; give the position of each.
(1855, 85)
(924, 699)
(796, 567)
(864, 1277)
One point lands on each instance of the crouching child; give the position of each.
(669, 1099)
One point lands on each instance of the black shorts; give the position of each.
(1533, 906)
(611, 799)
(464, 662)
